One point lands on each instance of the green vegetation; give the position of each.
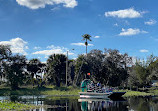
(65, 91)
(86, 37)
(7, 105)
(135, 93)
(109, 67)
(48, 90)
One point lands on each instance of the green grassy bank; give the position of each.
(130, 93)
(47, 90)
(15, 106)
(63, 91)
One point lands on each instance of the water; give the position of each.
(77, 104)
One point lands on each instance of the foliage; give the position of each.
(109, 68)
(47, 90)
(143, 72)
(14, 71)
(34, 67)
(7, 105)
(5, 54)
(56, 69)
(135, 93)
(86, 37)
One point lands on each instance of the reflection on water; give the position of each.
(76, 104)
(102, 105)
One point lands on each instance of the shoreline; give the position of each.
(64, 91)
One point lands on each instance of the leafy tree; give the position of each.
(95, 59)
(34, 66)
(86, 37)
(81, 69)
(15, 71)
(117, 67)
(71, 72)
(56, 69)
(152, 71)
(5, 54)
(109, 68)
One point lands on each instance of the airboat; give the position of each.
(91, 90)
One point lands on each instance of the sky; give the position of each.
(39, 28)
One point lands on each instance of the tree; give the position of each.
(109, 68)
(81, 69)
(117, 67)
(34, 66)
(56, 69)
(86, 37)
(15, 71)
(95, 59)
(5, 54)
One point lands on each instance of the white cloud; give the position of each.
(150, 22)
(126, 13)
(52, 50)
(55, 8)
(36, 47)
(81, 44)
(144, 50)
(35, 4)
(17, 45)
(96, 37)
(116, 24)
(130, 31)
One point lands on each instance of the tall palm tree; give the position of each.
(86, 37)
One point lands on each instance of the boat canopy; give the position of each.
(84, 84)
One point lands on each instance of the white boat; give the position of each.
(96, 91)
(94, 95)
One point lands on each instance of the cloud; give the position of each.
(36, 47)
(81, 44)
(35, 4)
(52, 50)
(55, 8)
(130, 31)
(96, 37)
(116, 24)
(17, 45)
(150, 22)
(126, 13)
(144, 50)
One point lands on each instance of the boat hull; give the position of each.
(94, 95)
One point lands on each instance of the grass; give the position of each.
(63, 91)
(7, 105)
(130, 93)
(48, 90)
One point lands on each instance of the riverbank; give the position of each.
(63, 91)
(15, 106)
(47, 90)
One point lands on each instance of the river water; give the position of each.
(49, 103)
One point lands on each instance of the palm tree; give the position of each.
(34, 67)
(86, 37)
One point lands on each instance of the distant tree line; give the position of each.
(109, 67)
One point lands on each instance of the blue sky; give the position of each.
(38, 28)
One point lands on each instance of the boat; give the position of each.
(94, 95)
(92, 90)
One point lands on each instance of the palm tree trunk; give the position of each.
(86, 47)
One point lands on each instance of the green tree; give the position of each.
(117, 67)
(56, 65)
(5, 54)
(34, 67)
(15, 71)
(81, 69)
(86, 37)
